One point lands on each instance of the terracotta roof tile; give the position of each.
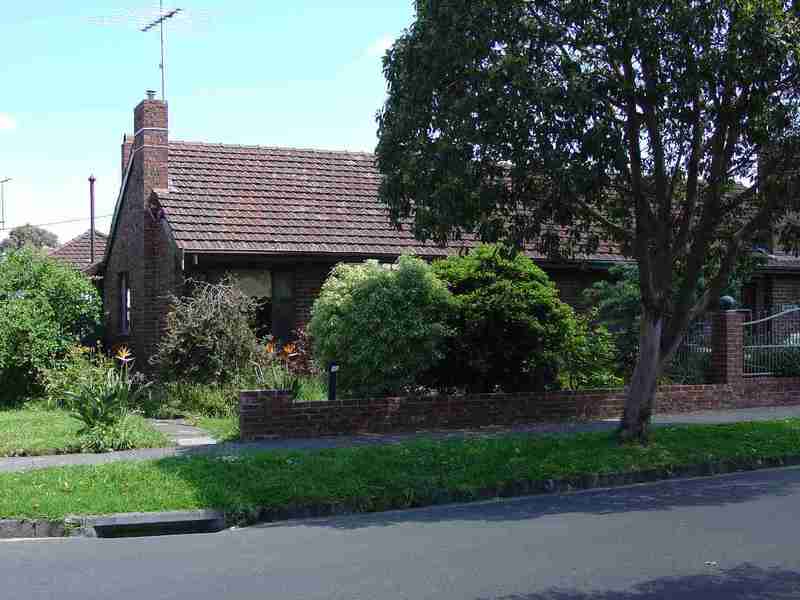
(77, 251)
(257, 199)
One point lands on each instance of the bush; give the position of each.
(209, 336)
(80, 364)
(127, 433)
(184, 398)
(105, 402)
(511, 328)
(383, 325)
(589, 359)
(45, 308)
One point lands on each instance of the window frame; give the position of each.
(124, 303)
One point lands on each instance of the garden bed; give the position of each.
(394, 476)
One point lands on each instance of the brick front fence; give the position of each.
(268, 414)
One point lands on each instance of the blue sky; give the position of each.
(305, 73)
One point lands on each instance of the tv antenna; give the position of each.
(163, 17)
(3, 183)
(149, 20)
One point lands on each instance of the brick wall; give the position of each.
(308, 280)
(266, 414)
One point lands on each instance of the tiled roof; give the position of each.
(77, 251)
(254, 199)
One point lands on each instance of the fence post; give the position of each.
(727, 346)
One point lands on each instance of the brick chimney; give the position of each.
(150, 144)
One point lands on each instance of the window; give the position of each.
(124, 304)
(283, 305)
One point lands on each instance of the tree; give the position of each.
(28, 235)
(561, 123)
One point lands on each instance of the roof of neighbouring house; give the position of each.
(255, 199)
(77, 251)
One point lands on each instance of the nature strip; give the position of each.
(81, 525)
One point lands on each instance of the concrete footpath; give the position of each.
(197, 448)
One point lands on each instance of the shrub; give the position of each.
(45, 308)
(185, 398)
(107, 401)
(209, 335)
(589, 359)
(79, 364)
(383, 325)
(511, 328)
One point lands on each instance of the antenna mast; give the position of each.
(160, 21)
(3, 202)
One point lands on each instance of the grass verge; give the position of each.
(378, 477)
(38, 432)
(222, 429)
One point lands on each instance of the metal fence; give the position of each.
(691, 363)
(772, 342)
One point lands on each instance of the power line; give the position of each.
(57, 222)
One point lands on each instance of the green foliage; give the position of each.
(79, 365)
(127, 433)
(28, 236)
(694, 368)
(209, 336)
(619, 307)
(589, 360)
(105, 402)
(45, 308)
(510, 327)
(383, 326)
(184, 398)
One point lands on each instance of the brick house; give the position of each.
(278, 219)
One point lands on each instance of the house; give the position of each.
(79, 254)
(278, 219)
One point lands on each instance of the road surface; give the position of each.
(733, 537)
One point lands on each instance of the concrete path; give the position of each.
(733, 537)
(182, 433)
(233, 448)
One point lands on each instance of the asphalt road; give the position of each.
(726, 538)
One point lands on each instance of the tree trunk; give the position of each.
(642, 391)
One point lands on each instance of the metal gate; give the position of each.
(772, 343)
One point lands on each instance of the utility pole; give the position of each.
(3, 202)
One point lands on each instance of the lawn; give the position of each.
(374, 478)
(37, 432)
(222, 429)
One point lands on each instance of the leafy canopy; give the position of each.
(561, 123)
(29, 235)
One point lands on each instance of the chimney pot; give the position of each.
(151, 94)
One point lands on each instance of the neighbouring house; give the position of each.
(78, 252)
(277, 219)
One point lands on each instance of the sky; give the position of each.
(305, 73)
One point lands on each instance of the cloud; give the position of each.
(6, 122)
(379, 47)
